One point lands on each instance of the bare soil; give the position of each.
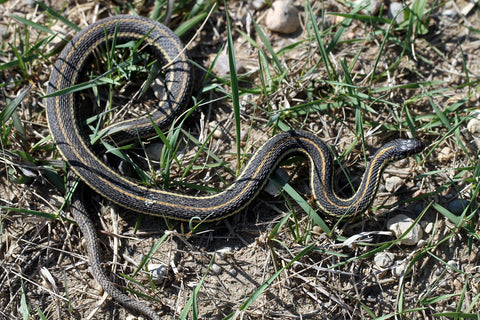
(43, 262)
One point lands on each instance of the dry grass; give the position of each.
(356, 81)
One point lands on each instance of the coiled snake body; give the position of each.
(62, 113)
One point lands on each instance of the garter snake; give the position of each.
(66, 130)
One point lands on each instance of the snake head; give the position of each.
(402, 148)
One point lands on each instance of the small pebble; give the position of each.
(222, 66)
(399, 225)
(399, 269)
(4, 32)
(243, 135)
(317, 230)
(233, 272)
(449, 13)
(158, 272)
(283, 17)
(445, 154)
(384, 260)
(217, 130)
(428, 228)
(218, 133)
(395, 11)
(215, 268)
(457, 206)
(258, 4)
(338, 20)
(458, 284)
(392, 184)
(474, 125)
(224, 253)
(422, 243)
(373, 8)
(453, 264)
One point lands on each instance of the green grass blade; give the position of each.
(192, 301)
(58, 16)
(151, 252)
(32, 24)
(24, 306)
(329, 68)
(7, 113)
(261, 289)
(269, 48)
(235, 89)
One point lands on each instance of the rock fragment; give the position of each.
(283, 17)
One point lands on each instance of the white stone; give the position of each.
(216, 269)
(474, 125)
(395, 11)
(428, 228)
(392, 184)
(450, 13)
(453, 265)
(283, 17)
(224, 253)
(399, 269)
(158, 272)
(258, 4)
(399, 225)
(384, 260)
(217, 130)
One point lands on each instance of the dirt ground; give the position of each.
(44, 265)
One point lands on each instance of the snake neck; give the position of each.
(322, 173)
